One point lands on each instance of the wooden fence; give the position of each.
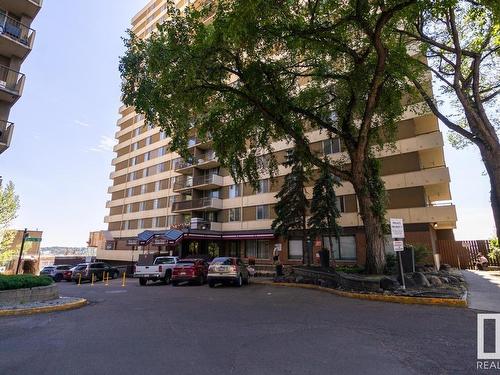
(463, 254)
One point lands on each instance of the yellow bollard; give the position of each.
(79, 279)
(92, 283)
(123, 279)
(106, 278)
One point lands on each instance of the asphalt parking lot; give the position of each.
(256, 329)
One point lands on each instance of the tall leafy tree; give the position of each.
(324, 209)
(9, 206)
(252, 72)
(292, 204)
(460, 40)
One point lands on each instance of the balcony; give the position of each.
(207, 160)
(210, 182)
(16, 39)
(183, 166)
(203, 204)
(11, 84)
(28, 7)
(6, 130)
(204, 144)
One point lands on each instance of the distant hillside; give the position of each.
(61, 250)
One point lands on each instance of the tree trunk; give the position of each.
(374, 231)
(491, 159)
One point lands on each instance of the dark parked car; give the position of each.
(227, 270)
(191, 270)
(55, 271)
(98, 269)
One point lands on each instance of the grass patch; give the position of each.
(9, 282)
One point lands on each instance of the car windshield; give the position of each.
(48, 268)
(81, 267)
(164, 261)
(222, 261)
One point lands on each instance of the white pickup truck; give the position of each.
(160, 270)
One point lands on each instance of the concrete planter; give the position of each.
(37, 294)
(344, 280)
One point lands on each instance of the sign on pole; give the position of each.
(397, 228)
(398, 245)
(33, 239)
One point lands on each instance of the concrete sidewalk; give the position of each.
(484, 289)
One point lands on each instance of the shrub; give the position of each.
(9, 282)
(390, 264)
(494, 253)
(421, 253)
(349, 269)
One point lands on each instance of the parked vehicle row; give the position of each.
(221, 270)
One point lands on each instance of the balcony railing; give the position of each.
(206, 157)
(191, 182)
(15, 29)
(6, 128)
(197, 204)
(11, 80)
(181, 164)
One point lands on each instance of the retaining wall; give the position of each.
(37, 294)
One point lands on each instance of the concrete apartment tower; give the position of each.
(16, 42)
(161, 203)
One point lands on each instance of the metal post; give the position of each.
(401, 270)
(25, 234)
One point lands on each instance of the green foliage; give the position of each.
(350, 269)
(324, 210)
(9, 205)
(9, 282)
(292, 203)
(421, 253)
(391, 263)
(494, 253)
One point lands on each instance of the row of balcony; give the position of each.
(11, 84)
(208, 182)
(30, 8)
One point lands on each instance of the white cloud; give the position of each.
(81, 123)
(106, 144)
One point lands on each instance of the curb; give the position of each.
(453, 302)
(45, 309)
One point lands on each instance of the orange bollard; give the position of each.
(92, 283)
(79, 279)
(106, 278)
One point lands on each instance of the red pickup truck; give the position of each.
(190, 270)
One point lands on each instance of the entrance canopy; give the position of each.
(169, 237)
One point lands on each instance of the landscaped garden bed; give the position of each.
(427, 283)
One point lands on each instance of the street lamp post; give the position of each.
(25, 235)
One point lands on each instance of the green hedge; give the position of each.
(9, 282)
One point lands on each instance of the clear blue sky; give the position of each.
(60, 158)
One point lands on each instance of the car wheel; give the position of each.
(239, 281)
(167, 278)
(58, 278)
(142, 281)
(201, 280)
(211, 284)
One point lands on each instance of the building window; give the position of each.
(130, 192)
(170, 220)
(140, 223)
(157, 185)
(295, 249)
(340, 203)
(162, 151)
(137, 131)
(133, 161)
(263, 186)
(156, 203)
(163, 135)
(128, 208)
(258, 249)
(126, 225)
(161, 167)
(142, 206)
(157, 222)
(234, 191)
(235, 214)
(344, 248)
(143, 189)
(331, 146)
(135, 146)
(147, 156)
(138, 117)
(262, 212)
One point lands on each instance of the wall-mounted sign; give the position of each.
(159, 242)
(132, 242)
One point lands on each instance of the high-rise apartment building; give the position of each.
(16, 42)
(160, 202)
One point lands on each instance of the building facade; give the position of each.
(162, 203)
(16, 42)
